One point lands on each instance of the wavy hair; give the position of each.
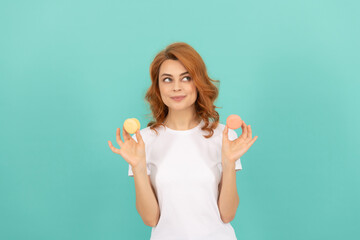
(207, 91)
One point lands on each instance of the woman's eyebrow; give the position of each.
(171, 75)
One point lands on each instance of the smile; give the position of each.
(178, 99)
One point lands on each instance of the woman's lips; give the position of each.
(178, 99)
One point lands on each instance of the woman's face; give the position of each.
(175, 81)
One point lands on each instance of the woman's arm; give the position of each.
(228, 200)
(146, 201)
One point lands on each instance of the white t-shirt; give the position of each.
(185, 170)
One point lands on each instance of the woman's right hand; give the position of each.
(133, 152)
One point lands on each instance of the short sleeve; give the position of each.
(233, 135)
(130, 172)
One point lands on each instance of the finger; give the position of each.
(118, 138)
(126, 135)
(252, 141)
(249, 135)
(139, 137)
(226, 133)
(115, 150)
(244, 131)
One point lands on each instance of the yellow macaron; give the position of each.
(131, 125)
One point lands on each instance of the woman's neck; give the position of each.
(182, 122)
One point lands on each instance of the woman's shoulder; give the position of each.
(218, 131)
(148, 134)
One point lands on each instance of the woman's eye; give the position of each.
(184, 77)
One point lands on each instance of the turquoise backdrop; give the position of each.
(72, 71)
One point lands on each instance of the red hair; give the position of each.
(207, 91)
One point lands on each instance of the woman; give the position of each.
(184, 167)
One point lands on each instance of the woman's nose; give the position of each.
(177, 85)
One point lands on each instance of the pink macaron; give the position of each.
(234, 121)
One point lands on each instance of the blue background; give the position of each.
(72, 71)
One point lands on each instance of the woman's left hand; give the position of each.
(232, 150)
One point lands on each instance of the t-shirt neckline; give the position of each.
(185, 131)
